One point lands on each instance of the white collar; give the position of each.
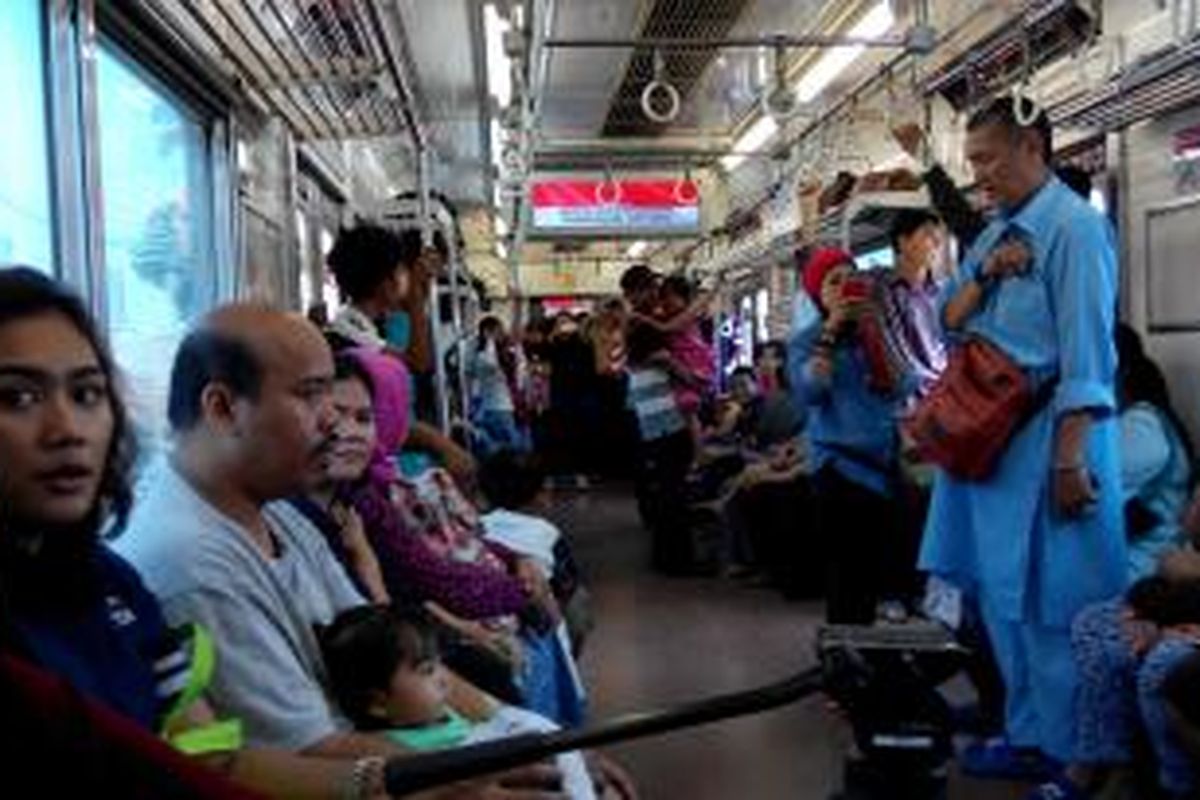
(356, 326)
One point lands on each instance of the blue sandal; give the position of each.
(997, 759)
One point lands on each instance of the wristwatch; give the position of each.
(366, 779)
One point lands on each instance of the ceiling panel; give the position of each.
(686, 19)
(439, 44)
(581, 83)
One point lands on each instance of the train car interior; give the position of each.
(696, 399)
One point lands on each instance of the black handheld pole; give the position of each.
(407, 775)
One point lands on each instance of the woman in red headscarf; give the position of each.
(852, 409)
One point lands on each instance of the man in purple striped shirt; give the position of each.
(910, 303)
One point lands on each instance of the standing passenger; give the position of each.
(853, 437)
(665, 451)
(1042, 536)
(379, 274)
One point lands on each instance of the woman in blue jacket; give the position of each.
(853, 439)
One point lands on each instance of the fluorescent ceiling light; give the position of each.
(637, 249)
(496, 142)
(876, 23)
(498, 69)
(755, 137)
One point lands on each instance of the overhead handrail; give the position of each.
(609, 180)
(660, 86)
(1026, 109)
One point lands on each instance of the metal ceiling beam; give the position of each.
(329, 123)
(240, 63)
(336, 60)
(376, 101)
(309, 63)
(725, 42)
(403, 89)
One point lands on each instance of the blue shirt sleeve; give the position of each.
(808, 389)
(1083, 295)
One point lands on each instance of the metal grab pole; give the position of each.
(727, 43)
(425, 212)
(456, 320)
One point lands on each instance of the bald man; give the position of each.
(250, 409)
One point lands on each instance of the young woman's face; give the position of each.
(353, 432)
(56, 421)
(416, 694)
(770, 362)
(831, 287)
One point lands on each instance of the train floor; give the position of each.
(660, 641)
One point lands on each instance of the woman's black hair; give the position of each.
(24, 293)
(678, 286)
(347, 367)
(780, 349)
(363, 647)
(511, 480)
(1165, 602)
(486, 324)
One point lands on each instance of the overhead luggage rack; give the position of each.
(1144, 90)
(331, 68)
(1047, 30)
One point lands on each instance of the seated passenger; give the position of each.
(1124, 650)
(109, 754)
(482, 656)
(428, 540)
(249, 405)
(1156, 457)
(378, 273)
(72, 606)
(386, 676)
(513, 484)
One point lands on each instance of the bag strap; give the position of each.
(218, 737)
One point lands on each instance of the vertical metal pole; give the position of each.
(225, 199)
(457, 321)
(66, 133)
(291, 198)
(93, 190)
(435, 321)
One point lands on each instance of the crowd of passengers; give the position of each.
(308, 584)
(312, 582)
(1067, 564)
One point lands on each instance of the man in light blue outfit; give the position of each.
(1042, 537)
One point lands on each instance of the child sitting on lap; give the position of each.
(386, 676)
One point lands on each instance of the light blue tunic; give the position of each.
(1155, 470)
(1002, 536)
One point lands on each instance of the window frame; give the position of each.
(74, 32)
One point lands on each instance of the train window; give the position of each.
(156, 180)
(26, 232)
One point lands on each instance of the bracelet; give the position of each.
(1069, 467)
(366, 779)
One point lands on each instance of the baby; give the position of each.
(386, 676)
